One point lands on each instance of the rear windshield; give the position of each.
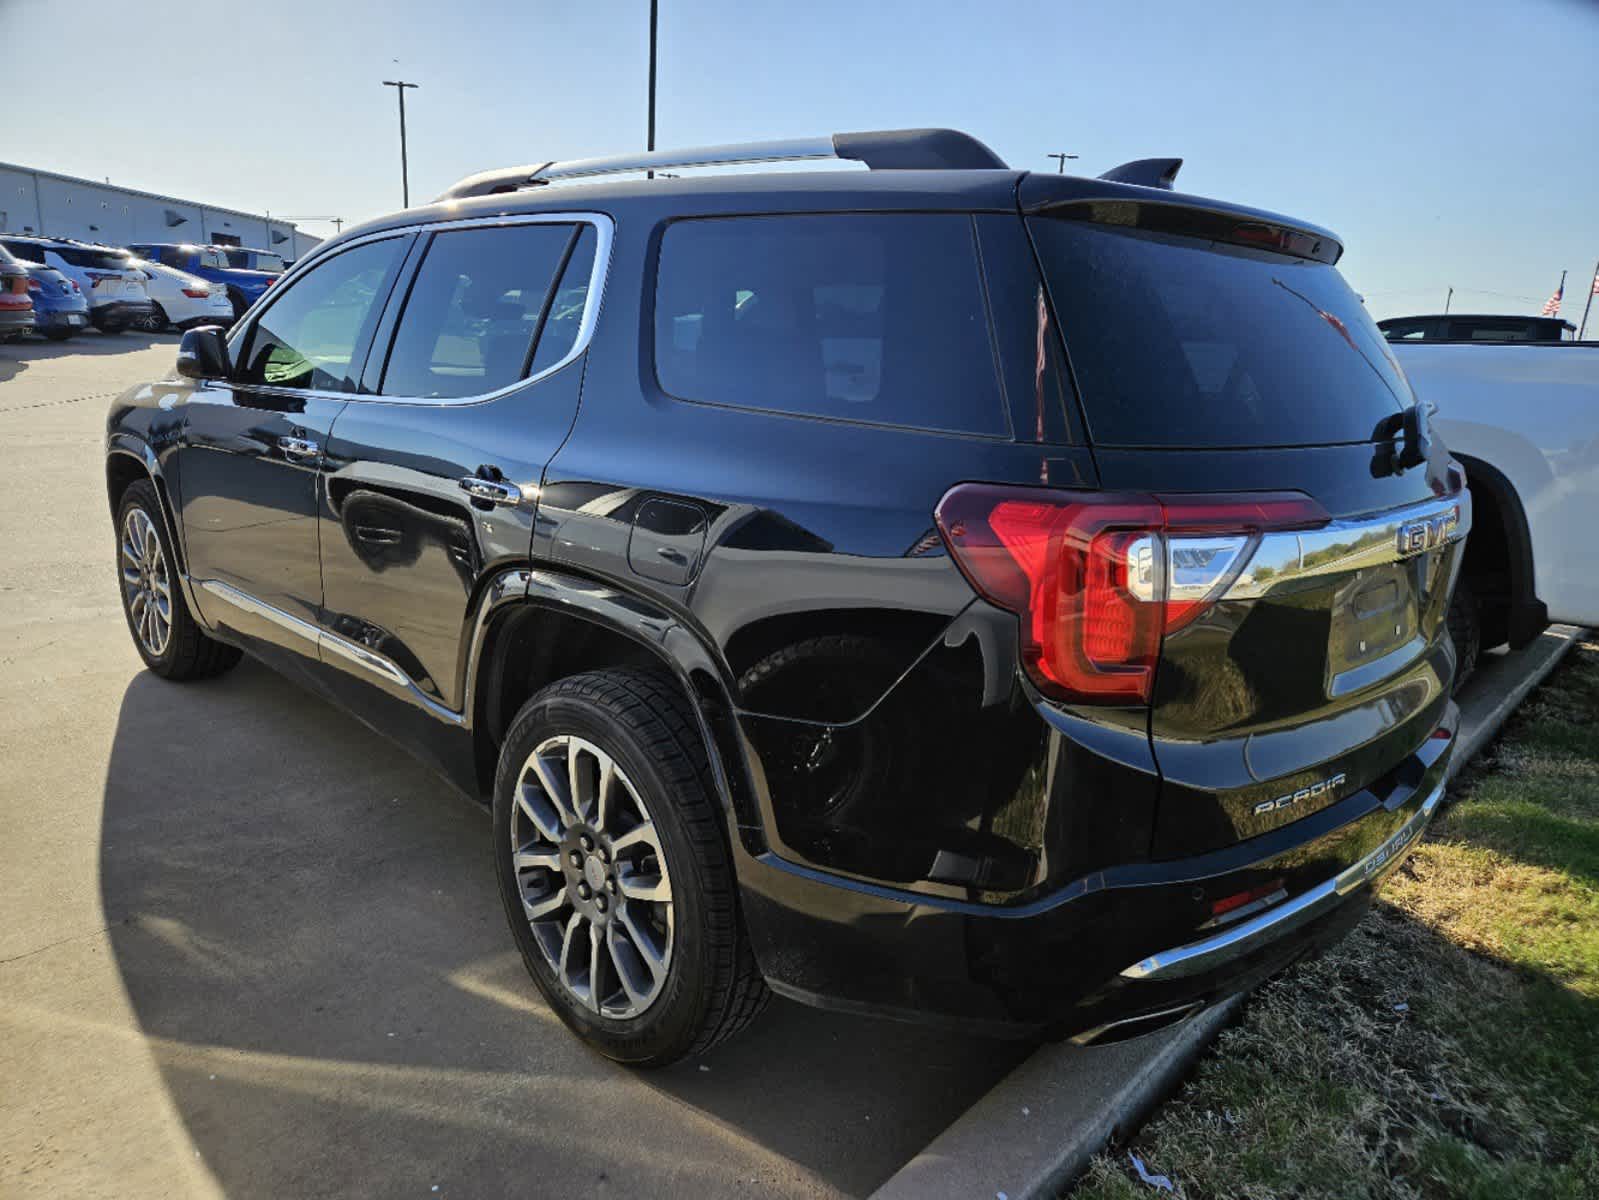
(1178, 341)
(91, 259)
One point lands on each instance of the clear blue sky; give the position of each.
(1450, 142)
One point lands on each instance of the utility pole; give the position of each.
(655, 17)
(1061, 158)
(1447, 299)
(1593, 286)
(399, 86)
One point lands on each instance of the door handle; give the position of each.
(492, 491)
(299, 448)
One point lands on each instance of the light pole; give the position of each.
(399, 86)
(1061, 158)
(655, 16)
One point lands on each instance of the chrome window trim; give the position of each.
(605, 235)
(1196, 958)
(1374, 538)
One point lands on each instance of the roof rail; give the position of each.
(1150, 172)
(881, 150)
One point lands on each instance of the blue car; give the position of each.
(60, 308)
(210, 263)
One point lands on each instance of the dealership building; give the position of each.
(43, 202)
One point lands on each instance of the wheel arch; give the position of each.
(566, 625)
(1501, 541)
(129, 460)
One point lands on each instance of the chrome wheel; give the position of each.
(146, 584)
(592, 877)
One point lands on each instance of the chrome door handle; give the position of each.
(300, 448)
(492, 491)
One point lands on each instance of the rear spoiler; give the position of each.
(1119, 199)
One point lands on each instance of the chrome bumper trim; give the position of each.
(1198, 957)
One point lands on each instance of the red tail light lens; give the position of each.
(197, 293)
(1088, 573)
(34, 286)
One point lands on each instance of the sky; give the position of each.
(1449, 143)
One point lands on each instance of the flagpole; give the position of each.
(1592, 288)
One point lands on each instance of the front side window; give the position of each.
(309, 337)
(875, 317)
(474, 308)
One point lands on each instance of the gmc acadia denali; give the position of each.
(936, 589)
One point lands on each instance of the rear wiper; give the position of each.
(1408, 438)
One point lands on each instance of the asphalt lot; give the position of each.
(252, 947)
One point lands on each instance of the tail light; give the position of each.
(35, 286)
(197, 293)
(1099, 578)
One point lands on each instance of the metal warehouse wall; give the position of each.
(40, 202)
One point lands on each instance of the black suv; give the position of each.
(938, 590)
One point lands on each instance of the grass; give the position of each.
(1448, 1049)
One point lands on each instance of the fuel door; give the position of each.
(667, 541)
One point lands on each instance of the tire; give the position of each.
(185, 652)
(56, 334)
(1465, 628)
(706, 986)
(240, 304)
(156, 322)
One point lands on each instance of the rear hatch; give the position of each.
(109, 274)
(1225, 367)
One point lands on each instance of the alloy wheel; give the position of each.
(592, 876)
(146, 583)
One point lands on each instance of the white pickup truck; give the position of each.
(1523, 418)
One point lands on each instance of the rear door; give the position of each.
(433, 471)
(1224, 366)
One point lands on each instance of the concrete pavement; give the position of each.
(252, 947)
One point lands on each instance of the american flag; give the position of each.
(1596, 281)
(1551, 306)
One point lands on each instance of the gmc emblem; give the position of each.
(1415, 537)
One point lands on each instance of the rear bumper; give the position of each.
(120, 312)
(61, 318)
(16, 320)
(1119, 947)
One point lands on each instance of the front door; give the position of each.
(250, 448)
(432, 473)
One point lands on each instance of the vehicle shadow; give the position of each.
(11, 364)
(308, 930)
(90, 342)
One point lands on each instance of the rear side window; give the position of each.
(473, 309)
(310, 335)
(861, 317)
(27, 251)
(1178, 341)
(90, 259)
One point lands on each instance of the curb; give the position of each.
(1035, 1131)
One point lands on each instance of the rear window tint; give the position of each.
(97, 260)
(1177, 341)
(876, 318)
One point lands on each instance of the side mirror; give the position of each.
(203, 354)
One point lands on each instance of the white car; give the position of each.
(118, 295)
(1523, 419)
(181, 299)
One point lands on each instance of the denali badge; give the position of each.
(1323, 788)
(1416, 536)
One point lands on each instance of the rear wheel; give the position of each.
(165, 633)
(1465, 629)
(156, 321)
(615, 873)
(57, 333)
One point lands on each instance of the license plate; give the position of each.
(74, 318)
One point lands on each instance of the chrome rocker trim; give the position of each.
(1196, 958)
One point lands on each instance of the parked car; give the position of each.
(117, 294)
(254, 260)
(16, 305)
(1475, 327)
(60, 308)
(243, 287)
(963, 594)
(1524, 422)
(181, 299)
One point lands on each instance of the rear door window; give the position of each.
(473, 310)
(1178, 341)
(877, 318)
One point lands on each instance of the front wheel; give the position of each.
(615, 873)
(165, 633)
